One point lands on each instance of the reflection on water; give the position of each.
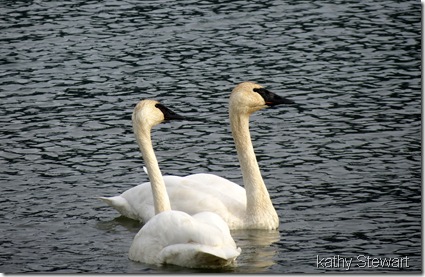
(259, 249)
(343, 169)
(121, 221)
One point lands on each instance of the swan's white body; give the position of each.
(191, 194)
(241, 208)
(175, 237)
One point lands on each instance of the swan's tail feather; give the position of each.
(228, 254)
(200, 256)
(145, 170)
(114, 201)
(120, 204)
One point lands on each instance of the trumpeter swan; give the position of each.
(174, 237)
(241, 208)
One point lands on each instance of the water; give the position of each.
(343, 170)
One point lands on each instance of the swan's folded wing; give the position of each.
(175, 237)
(207, 192)
(219, 184)
(197, 255)
(191, 194)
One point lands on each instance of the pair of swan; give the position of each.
(188, 218)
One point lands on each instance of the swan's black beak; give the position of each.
(169, 114)
(272, 99)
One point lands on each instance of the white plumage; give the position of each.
(173, 237)
(241, 208)
(191, 194)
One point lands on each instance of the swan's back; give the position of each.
(174, 237)
(191, 194)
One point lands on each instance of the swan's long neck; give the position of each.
(258, 199)
(160, 196)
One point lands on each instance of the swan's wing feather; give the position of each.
(178, 238)
(215, 182)
(197, 255)
(207, 192)
(191, 194)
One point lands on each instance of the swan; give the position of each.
(175, 237)
(242, 208)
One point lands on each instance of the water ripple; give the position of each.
(343, 169)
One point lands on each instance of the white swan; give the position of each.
(249, 208)
(174, 237)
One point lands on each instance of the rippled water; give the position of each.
(344, 170)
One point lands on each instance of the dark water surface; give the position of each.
(343, 170)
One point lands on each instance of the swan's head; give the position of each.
(149, 113)
(248, 97)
